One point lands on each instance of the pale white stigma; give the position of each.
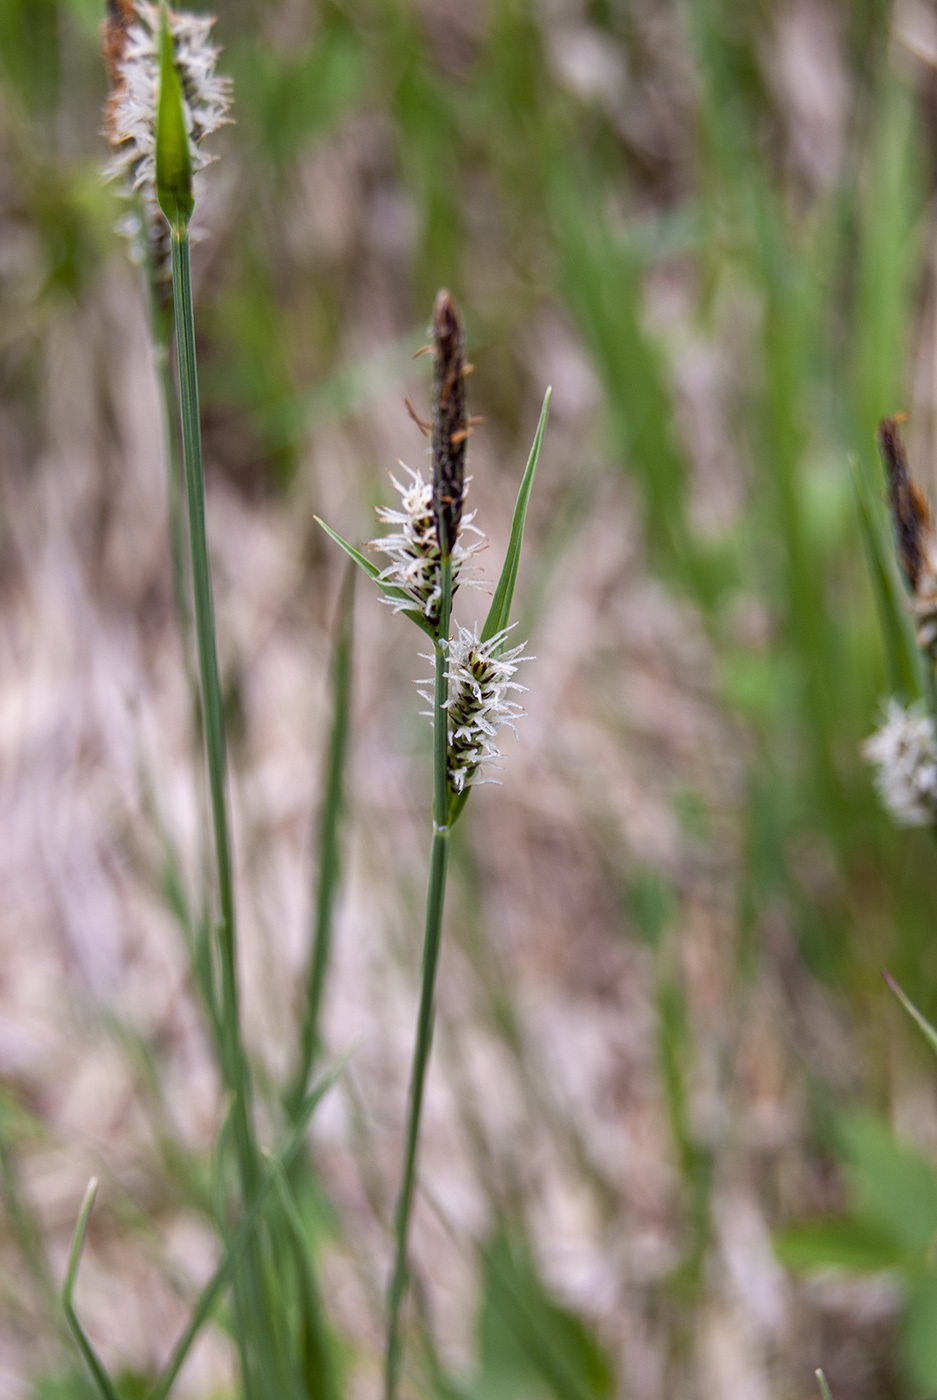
(904, 751)
(481, 681)
(413, 549)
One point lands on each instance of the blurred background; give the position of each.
(671, 1099)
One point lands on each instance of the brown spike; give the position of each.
(120, 16)
(449, 421)
(909, 509)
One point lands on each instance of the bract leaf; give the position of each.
(173, 156)
(499, 614)
(388, 589)
(929, 1032)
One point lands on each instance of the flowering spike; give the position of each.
(915, 536)
(414, 550)
(132, 53)
(450, 426)
(478, 707)
(904, 750)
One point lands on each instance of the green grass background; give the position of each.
(796, 226)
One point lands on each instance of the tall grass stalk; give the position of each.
(254, 1319)
(233, 1056)
(261, 1358)
(328, 847)
(435, 901)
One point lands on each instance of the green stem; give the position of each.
(435, 900)
(329, 852)
(106, 1387)
(173, 479)
(249, 1288)
(207, 651)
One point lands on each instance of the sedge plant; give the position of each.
(892, 1213)
(165, 99)
(131, 47)
(472, 692)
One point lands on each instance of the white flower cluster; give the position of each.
(904, 750)
(133, 51)
(414, 549)
(478, 707)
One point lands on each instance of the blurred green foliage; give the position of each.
(522, 192)
(891, 1226)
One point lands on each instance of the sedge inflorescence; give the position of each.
(479, 671)
(479, 706)
(480, 677)
(132, 54)
(413, 549)
(904, 752)
(915, 535)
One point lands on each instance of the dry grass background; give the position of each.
(546, 1091)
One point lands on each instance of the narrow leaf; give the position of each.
(499, 614)
(903, 656)
(173, 156)
(930, 1034)
(329, 845)
(319, 1363)
(824, 1388)
(853, 1243)
(94, 1363)
(248, 1223)
(388, 589)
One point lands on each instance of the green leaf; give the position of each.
(893, 1185)
(526, 1341)
(95, 1365)
(925, 1025)
(904, 660)
(388, 589)
(844, 1242)
(328, 866)
(223, 1275)
(825, 1391)
(173, 156)
(919, 1336)
(499, 614)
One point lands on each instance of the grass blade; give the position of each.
(329, 854)
(94, 1363)
(248, 1224)
(373, 573)
(930, 1034)
(825, 1391)
(499, 614)
(903, 657)
(318, 1365)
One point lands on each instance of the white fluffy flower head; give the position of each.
(413, 549)
(904, 751)
(132, 53)
(479, 705)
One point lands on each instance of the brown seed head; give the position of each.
(909, 509)
(450, 426)
(114, 30)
